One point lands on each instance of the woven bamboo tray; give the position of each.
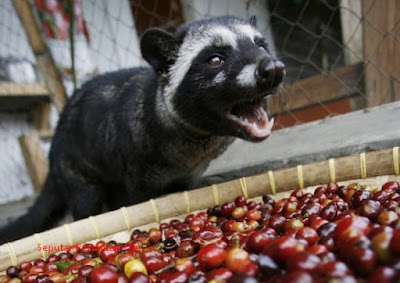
(372, 168)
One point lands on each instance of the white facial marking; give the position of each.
(224, 37)
(247, 31)
(219, 78)
(193, 44)
(246, 76)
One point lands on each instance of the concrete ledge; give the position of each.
(358, 131)
(365, 130)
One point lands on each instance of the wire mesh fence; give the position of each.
(312, 38)
(17, 64)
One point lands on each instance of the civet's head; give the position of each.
(215, 75)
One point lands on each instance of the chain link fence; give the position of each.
(312, 38)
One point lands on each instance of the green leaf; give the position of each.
(63, 264)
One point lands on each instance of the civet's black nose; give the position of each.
(270, 73)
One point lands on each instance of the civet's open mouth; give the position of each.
(252, 117)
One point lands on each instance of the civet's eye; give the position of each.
(215, 61)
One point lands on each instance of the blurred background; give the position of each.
(340, 55)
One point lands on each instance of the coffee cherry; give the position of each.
(241, 278)
(332, 188)
(380, 244)
(13, 271)
(154, 235)
(227, 208)
(290, 206)
(279, 205)
(268, 199)
(277, 222)
(153, 264)
(138, 277)
(395, 242)
(391, 186)
(85, 270)
(25, 265)
(197, 277)
(106, 253)
(308, 234)
(170, 276)
(237, 260)
(303, 261)
(350, 226)
(134, 265)
(381, 274)
(268, 267)
(240, 201)
(259, 239)
(253, 214)
(318, 249)
(239, 212)
(283, 248)
(196, 224)
(170, 244)
(37, 269)
(161, 227)
(211, 256)
(363, 260)
(314, 221)
(219, 275)
(104, 274)
(327, 230)
(371, 209)
(122, 258)
(329, 212)
(294, 223)
(297, 277)
(297, 193)
(185, 265)
(56, 277)
(359, 196)
(187, 249)
(392, 205)
(334, 268)
(310, 209)
(387, 217)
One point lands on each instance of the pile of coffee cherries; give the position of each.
(336, 234)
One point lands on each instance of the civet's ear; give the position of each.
(159, 48)
(253, 21)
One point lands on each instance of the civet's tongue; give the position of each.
(254, 118)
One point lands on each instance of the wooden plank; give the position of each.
(342, 82)
(35, 159)
(43, 56)
(24, 89)
(350, 19)
(32, 97)
(21, 103)
(381, 50)
(40, 115)
(46, 134)
(30, 26)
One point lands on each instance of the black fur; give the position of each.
(117, 144)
